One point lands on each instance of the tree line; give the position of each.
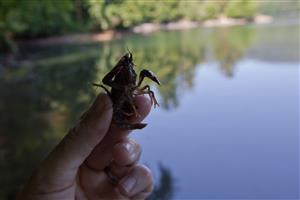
(35, 18)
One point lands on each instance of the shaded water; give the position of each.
(228, 125)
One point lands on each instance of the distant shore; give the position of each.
(187, 24)
(146, 28)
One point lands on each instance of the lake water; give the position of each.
(227, 127)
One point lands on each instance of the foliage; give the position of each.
(127, 13)
(124, 14)
(241, 8)
(34, 18)
(282, 11)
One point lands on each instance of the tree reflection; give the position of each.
(36, 110)
(22, 131)
(173, 58)
(164, 190)
(229, 46)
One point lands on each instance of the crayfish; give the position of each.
(124, 87)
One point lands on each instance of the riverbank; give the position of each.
(145, 28)
(187, 24)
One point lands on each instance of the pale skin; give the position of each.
(77, 167)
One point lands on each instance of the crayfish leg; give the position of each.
(103, 87)
(150, 93)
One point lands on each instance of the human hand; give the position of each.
(95, 160)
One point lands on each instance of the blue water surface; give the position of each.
(234, 138)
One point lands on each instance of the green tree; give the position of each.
(241, 9)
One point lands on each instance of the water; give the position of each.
(227, 128)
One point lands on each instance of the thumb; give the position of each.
(63, 162)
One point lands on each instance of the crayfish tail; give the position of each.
(128, 126)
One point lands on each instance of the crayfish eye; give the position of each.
(129, 57)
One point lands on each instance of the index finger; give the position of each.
(101, 156)
(61, 165)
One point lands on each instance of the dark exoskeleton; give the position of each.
(124, 87)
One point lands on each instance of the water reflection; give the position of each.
(36, 111)
(172, 56)
(48, 89)
(230, 45)
(22, 129)
(164, 190)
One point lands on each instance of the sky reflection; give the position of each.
(231, 138)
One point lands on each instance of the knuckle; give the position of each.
(145, 172)
(137, 147)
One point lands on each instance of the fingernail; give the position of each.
(127, 147)
(128, 184)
